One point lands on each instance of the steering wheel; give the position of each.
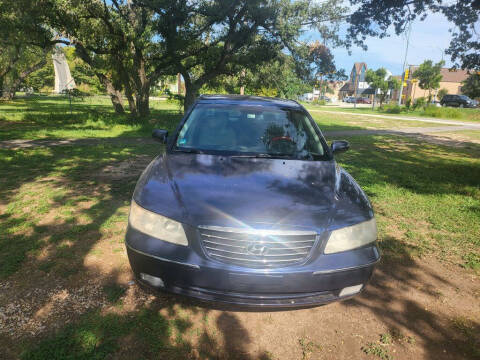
(278, 144)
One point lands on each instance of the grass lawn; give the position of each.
(49, 117)
(337, 122)
(64, 275)
(469, 115)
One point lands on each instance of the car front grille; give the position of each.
(256, 248)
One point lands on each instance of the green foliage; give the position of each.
(319, 102)
(429, 76)
(471, 86)
(442, 112)
(392, 109)
(113, 292)
(377, 17)
(419, 102)
(42, 78)
(377, 350)
(49, 117)
(441, 93)
(84, 76)
(378, 80)
(472, 261)
(408, 103)
(25, 41)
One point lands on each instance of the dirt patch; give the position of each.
(124, 169)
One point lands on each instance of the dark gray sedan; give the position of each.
(247, 206)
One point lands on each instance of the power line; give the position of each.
(404, 63)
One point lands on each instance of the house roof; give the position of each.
(358, 66)
(347, 87)
(449, 75)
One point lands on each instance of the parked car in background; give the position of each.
(458, 101)
(363, 100)
(248, 206)
(324, 98)
(349, 99)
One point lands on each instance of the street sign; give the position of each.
(407, 72)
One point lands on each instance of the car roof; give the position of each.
(248, 100)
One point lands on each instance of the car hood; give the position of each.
(201, 189)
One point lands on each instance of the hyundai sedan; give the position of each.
(247, 206)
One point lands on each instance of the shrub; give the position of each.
(392, 109)
(408, 103)
(420, 102)
(439, 112)
(319, 102)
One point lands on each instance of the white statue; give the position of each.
(63, 78)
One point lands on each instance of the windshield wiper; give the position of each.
(188, 150)
(265, 156)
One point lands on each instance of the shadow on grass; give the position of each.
(52, 116)
(419, 166)
(71, 182)
(408, 318)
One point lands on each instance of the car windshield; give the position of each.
(464, 97)
(251, 130)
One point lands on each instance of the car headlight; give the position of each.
(156, 225)
(352, 237)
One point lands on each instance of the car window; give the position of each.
(251, 129)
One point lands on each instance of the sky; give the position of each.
(428, 41)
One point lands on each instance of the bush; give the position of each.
(392, 109)
(319, 102)
(420, 102)
(438, 112)
(408, 103)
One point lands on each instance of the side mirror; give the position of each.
(160, 135)
(339, 146)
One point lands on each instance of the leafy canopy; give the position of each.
(374, 18)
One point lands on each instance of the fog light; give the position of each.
(152, 280)
(350, 290)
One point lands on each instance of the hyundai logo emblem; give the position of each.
(256, 249)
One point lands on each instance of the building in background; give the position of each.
(356, 85)
(451, 81)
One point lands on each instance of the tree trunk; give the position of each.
(116, 98)
(115, 95)
(191, 94)
(12, 89)
(143, 102)
(131, 104)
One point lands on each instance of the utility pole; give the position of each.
(404, 63)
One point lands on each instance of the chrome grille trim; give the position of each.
(256, 248)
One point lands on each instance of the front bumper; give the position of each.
(187, 271)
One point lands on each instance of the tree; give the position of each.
(25, 41)
(429, 76)
(207, 39)
(374, 18)
(441, 93)
(471, 86)
(379, 80)
(277, 78)
(115, 39)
